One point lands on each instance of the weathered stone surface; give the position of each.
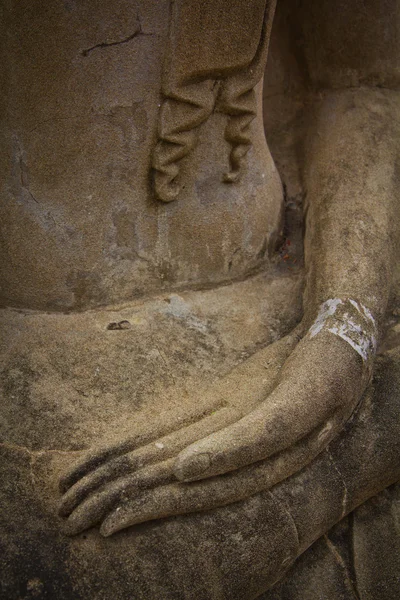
(232, 552)
(359, 557)
(68, 379)
(135, 169)
(80, 224)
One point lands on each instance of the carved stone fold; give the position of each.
(212, 67)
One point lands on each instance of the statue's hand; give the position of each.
(318, 389)
(108, 473)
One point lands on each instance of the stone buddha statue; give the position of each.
(191, 401)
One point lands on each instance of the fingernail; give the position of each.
(106, 531)
(193, 466)
(110, 523)
(108, 528)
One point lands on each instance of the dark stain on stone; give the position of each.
(33, 553)
(119, 325)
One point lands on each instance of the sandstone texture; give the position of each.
(126, 300)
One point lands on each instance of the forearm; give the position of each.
(350, 183)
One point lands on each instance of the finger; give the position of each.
(163, 449)
(98, 456)
(118, 467)
(94, 508)
(306, 398)
(95, 458)
(174, 499)
(178, 498)
(266, 431)
(259, 372)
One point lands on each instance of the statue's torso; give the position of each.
(81, 223)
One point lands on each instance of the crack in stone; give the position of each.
(24, 178)
(38, 453)
(138, 32)
(34, 455)
(287, 510)
(32, 196)
(23, 174)
(346, 491)
(32, 461)
(340, 561)
(353, 573)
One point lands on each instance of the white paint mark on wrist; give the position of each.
(352, 322)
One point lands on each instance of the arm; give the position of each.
(350, 182)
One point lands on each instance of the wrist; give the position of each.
(351, 321)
